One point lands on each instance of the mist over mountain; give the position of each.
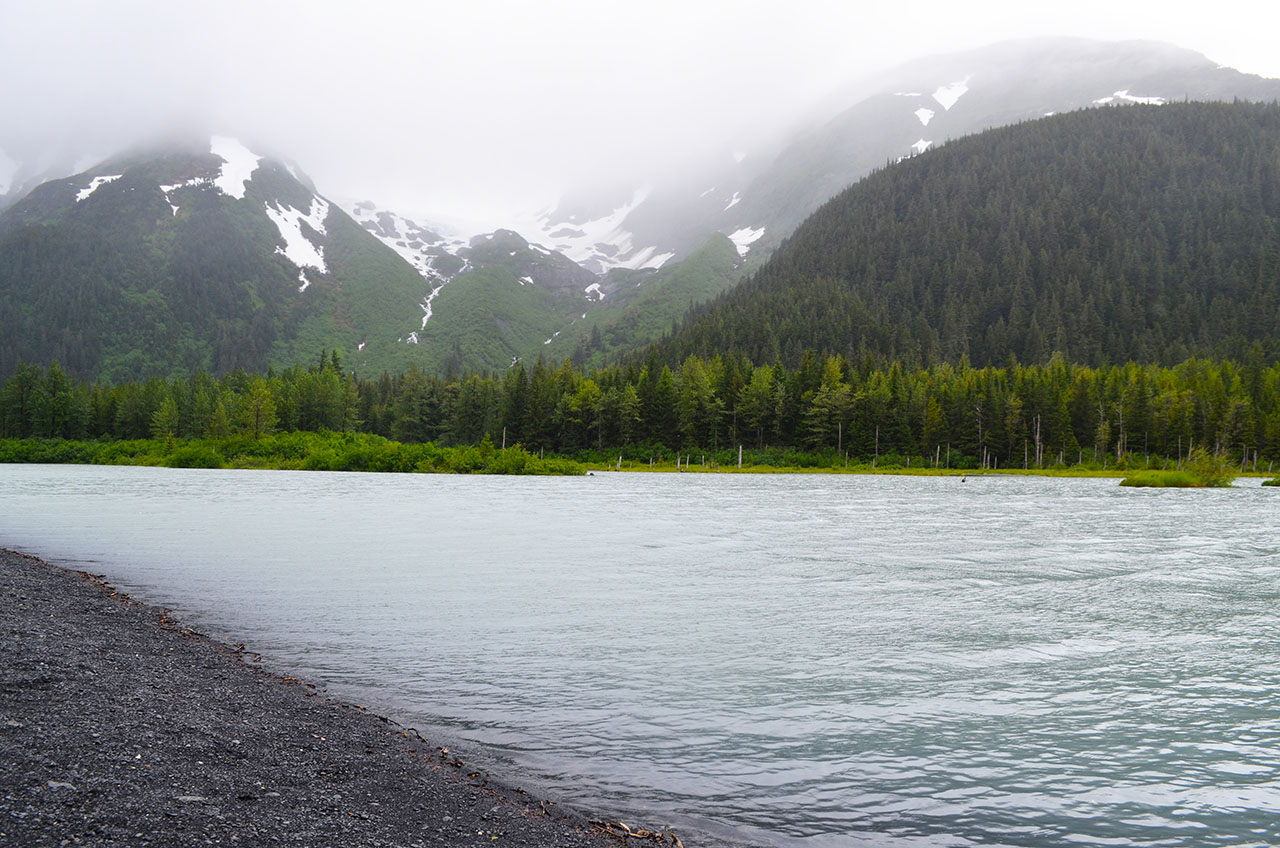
(195, 257)
(760, 197)
(604, 271)
(1144, 233)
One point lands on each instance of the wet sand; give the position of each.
(120, 726)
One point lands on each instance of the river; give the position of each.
(783, 660)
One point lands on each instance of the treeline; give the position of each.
(833, 410)
(1141, 233)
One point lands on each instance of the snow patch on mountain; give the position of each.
(1124, 96)
(947, 95)
(95, 184)
(421, 245)
(594, 293)
(168, 190)
(298, 247)
(925, 115)
(733, 201)
(649, 258)
(743, 239)
(579, 242)
(599, 244)
(239, 163)
(921, 146)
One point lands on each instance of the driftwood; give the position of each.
(625, 833)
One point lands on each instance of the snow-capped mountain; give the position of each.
(758, 198)
(201, 255)
(252, 265)
(440, 259)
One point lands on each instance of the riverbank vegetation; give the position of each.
(1201, 470)
(828, 413)
(326, 451)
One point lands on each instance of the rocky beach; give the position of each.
(118, 725)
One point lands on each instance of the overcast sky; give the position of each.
(470, 108)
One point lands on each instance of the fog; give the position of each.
(481, 110)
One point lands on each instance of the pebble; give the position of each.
(177, 786)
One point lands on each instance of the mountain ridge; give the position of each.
(1145, 233)
(182, 258)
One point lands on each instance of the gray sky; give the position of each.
(480, 109)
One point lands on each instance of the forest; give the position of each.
(1145, 233)
(827, 411)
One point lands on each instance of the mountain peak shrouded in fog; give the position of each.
(487, 111)
(608, 266)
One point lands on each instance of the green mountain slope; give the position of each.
(525, 303)
(486, 319)
(1149, 233)
(643, 305)
(783, 174)
(164, 263)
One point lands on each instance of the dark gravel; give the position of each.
(118, 726)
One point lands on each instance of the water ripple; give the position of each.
(778, 660)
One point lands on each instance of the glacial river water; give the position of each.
(775, 660)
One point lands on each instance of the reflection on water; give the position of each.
(778, 659)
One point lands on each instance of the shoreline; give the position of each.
(120, 725)
(302, 451)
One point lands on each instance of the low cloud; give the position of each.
(486, 109)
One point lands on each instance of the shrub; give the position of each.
(1212, 468)
(194, 456)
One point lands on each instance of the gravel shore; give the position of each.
(119, 726)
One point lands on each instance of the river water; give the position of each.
(777, 660)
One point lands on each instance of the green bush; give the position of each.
(1213, 469)
(195, 456)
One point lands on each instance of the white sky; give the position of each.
(473, 108)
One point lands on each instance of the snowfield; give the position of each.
(298, 247)
(1126, 97)
(947, 95)
(743, 239)
(239, 163)
(95, 184)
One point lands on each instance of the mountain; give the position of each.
(495, 299)
(160, 260)
(643, 305)
(637, 237)
(758, 196)
(1146, 233)
(196, 256)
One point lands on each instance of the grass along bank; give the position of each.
(308, 451)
